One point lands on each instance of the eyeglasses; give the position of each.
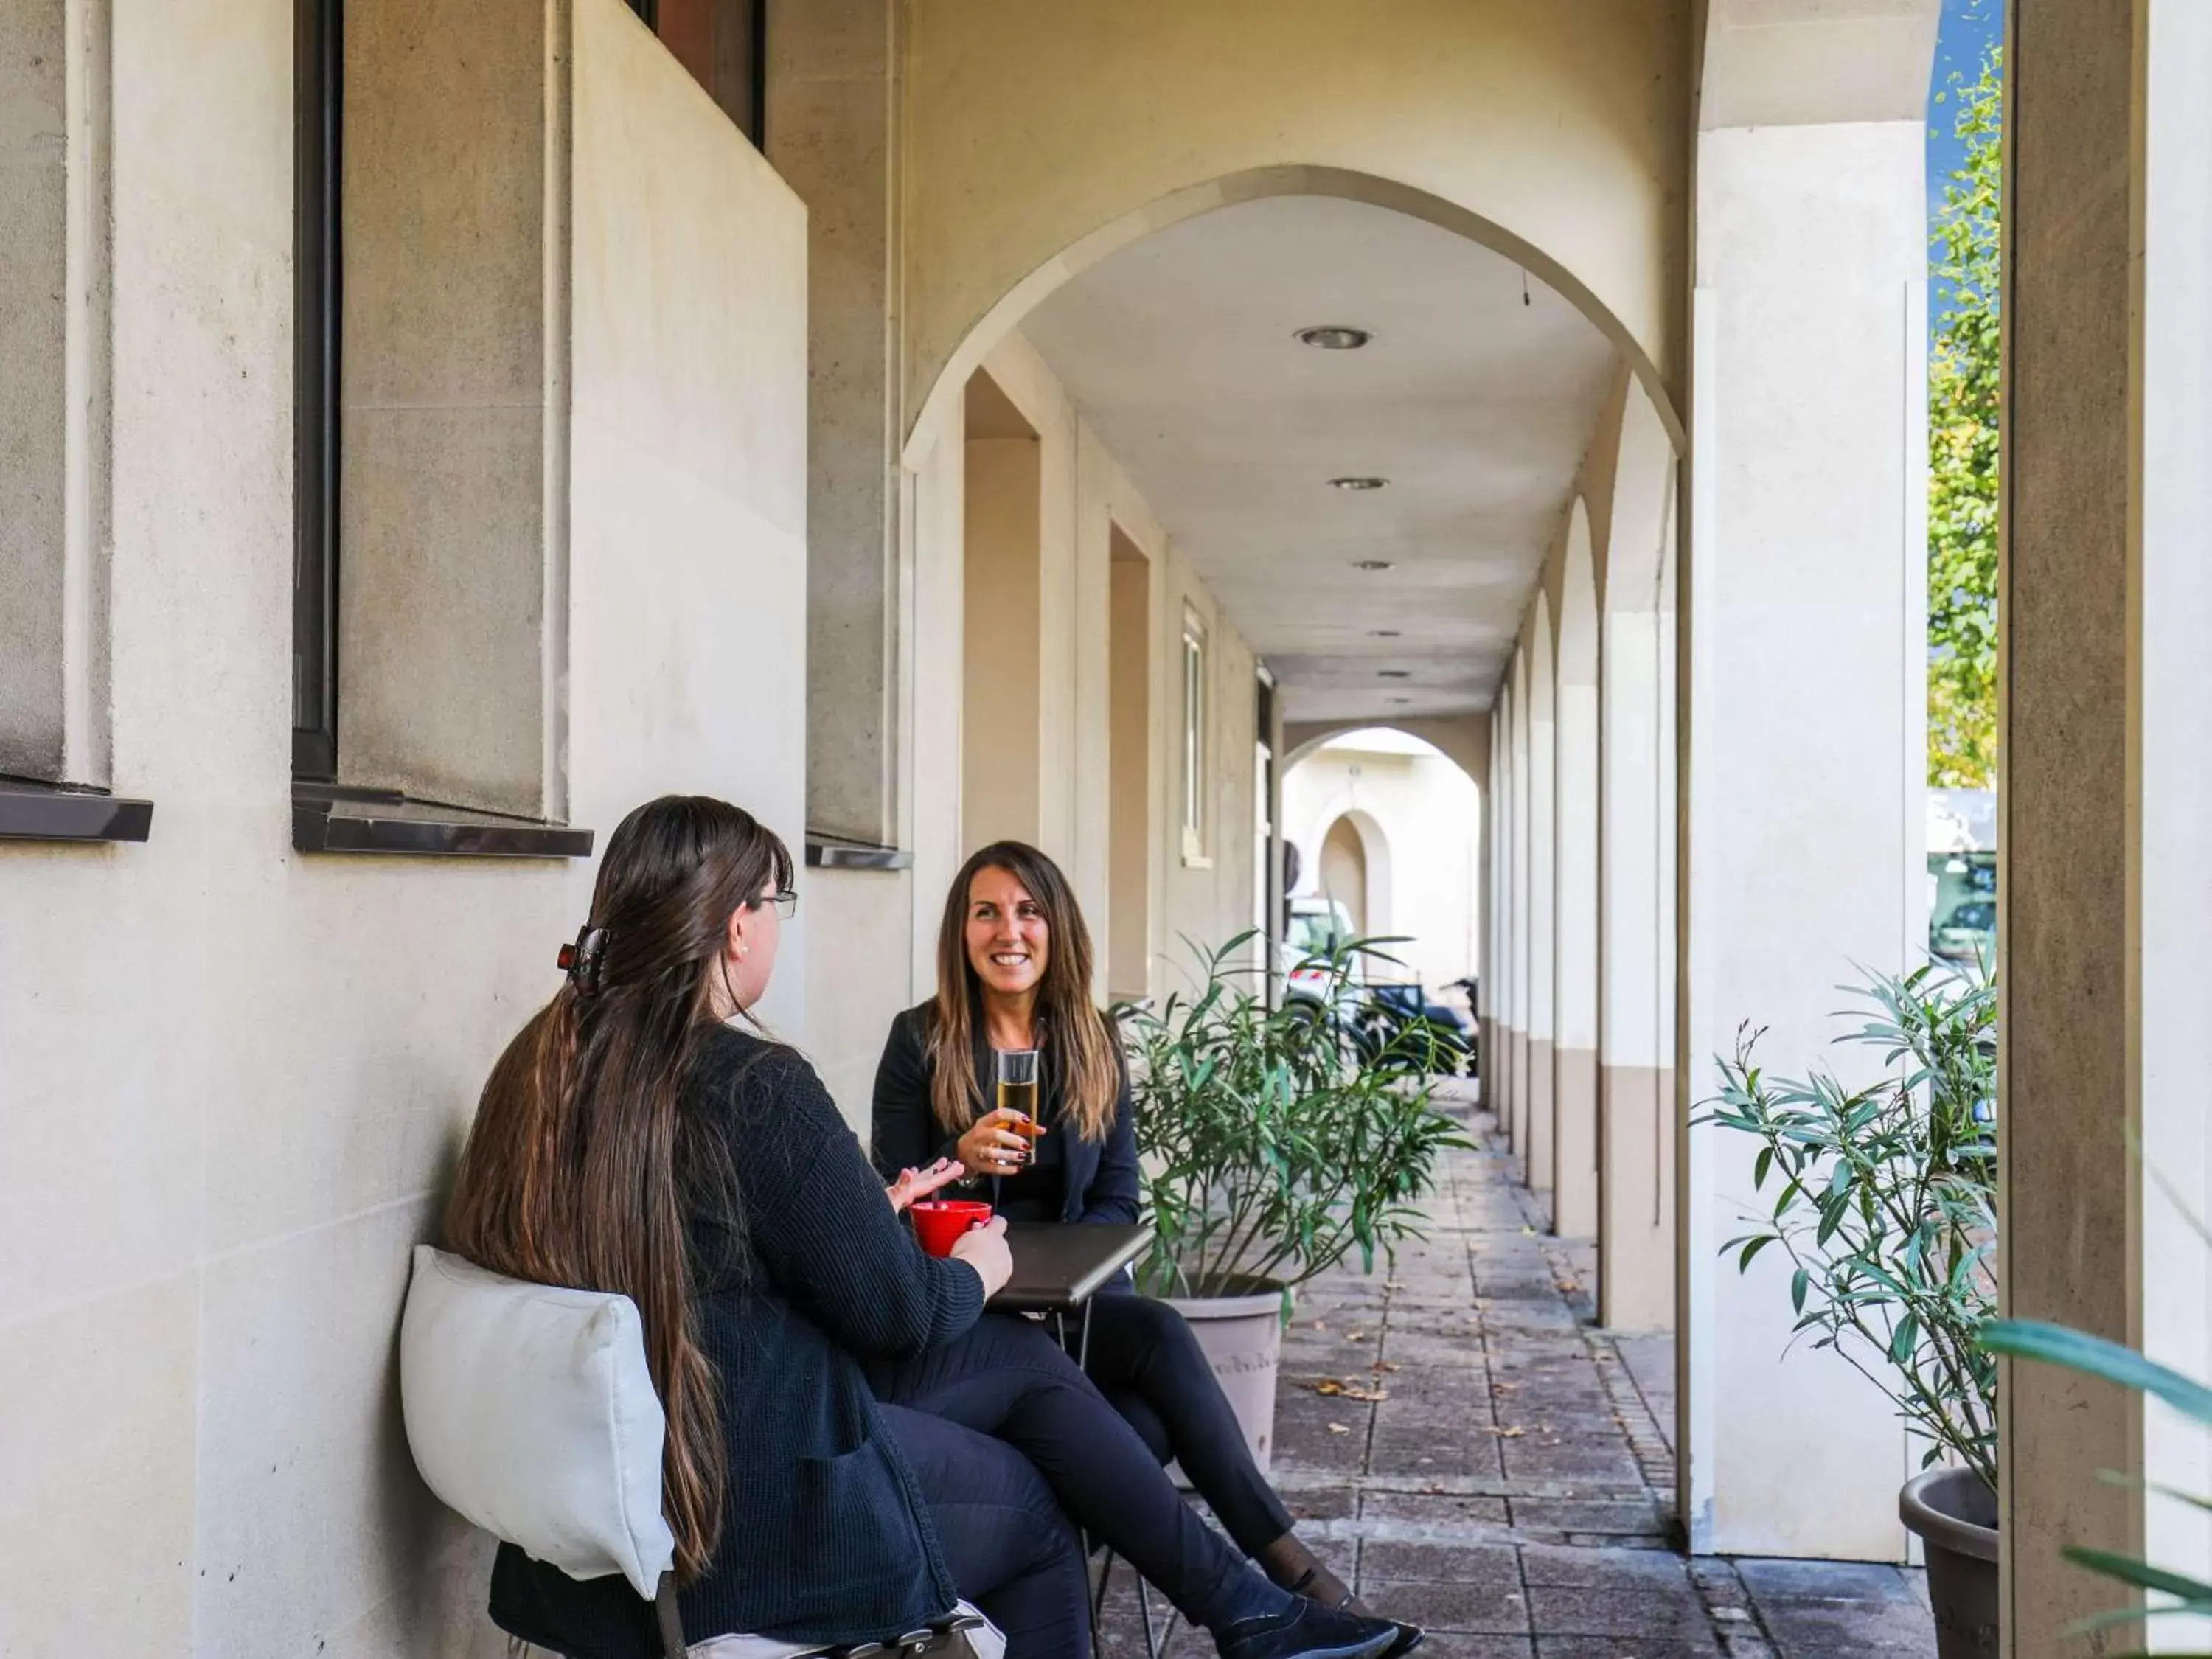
(785, 900)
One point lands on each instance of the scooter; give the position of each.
(1401, 1028)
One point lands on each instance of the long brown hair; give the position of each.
(1089, 1064)
(582, 1161)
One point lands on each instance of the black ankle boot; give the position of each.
(1299, 1571)
(1309, 1631)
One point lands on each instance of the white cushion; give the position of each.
(531, 1411)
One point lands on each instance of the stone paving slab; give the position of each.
(1512, 1490)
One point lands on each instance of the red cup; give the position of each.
(938, 1223)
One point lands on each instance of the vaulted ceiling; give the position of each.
(1474, 398)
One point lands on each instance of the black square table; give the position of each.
(1060, 1267)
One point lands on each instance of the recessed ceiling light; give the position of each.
(1393, 674)
(1382, 634)
(1333, 336)
(1360, 484)
(1371, 564)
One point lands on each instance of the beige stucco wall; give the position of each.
(235, 1076)
(1559, 131)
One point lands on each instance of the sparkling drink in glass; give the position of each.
(1017, 1089)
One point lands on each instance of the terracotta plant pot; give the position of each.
(1955, 1516)
(1241, 1337)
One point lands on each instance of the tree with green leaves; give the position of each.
(1963, 374)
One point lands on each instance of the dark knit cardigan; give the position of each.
(826, 1537)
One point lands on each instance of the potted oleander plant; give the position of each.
(1882, 1198)
(1275, 1144)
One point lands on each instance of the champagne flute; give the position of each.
(1018, 1090)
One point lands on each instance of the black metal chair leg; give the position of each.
(670, 1621)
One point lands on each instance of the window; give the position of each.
(724, 44)
(318, 46)
(1194, 755)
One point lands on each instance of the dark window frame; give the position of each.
(648, 13)
(319, 64)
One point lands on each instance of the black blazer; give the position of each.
(1101, 1175)
(825, 1534)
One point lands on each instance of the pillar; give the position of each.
(1543, 857)
(1516, 1124)
(833, 131)
(2107, 827)
(1636, 1085)
(1804, 759)
(1574, 888)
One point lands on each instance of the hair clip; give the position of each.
(585, 960)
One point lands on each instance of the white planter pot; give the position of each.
(1242, 1338)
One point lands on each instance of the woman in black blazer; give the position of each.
(1014, 971)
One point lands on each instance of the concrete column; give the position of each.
(1575, 879)
(1635, 1092)
(1543, 857)
(1804, 757)
(833, 131)
(1516, 1124)
(2106, 834)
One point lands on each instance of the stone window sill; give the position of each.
(56, 812)
(826, 852)
(328, 818)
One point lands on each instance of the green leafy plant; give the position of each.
(2093, 1356)
(1274, 1142)
(1965, 364)
(1884, 1202)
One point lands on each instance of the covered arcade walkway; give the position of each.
(1513, 1489)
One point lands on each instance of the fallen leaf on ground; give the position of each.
(1355, 1336)
(1382, 1365)
(1392, 1285)
(1503, 1387)
(1508, 1434)
(1330, 1385)
(1338, 1428)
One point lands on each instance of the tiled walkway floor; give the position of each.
(1511, 1490)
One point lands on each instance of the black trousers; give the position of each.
(1146, 1361)
(1008, 1379)
(1010, 1549)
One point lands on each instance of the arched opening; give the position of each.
(1388, 826)
(1344, 875)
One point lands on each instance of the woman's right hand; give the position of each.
(984, 1249)
(993, 1147)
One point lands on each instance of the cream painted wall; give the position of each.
(1082, 495)
(235, 1076)
(1429, 812)
(1029, 130)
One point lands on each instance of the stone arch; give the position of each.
(1456, 738)
(1372, 913)
(1252, 184)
